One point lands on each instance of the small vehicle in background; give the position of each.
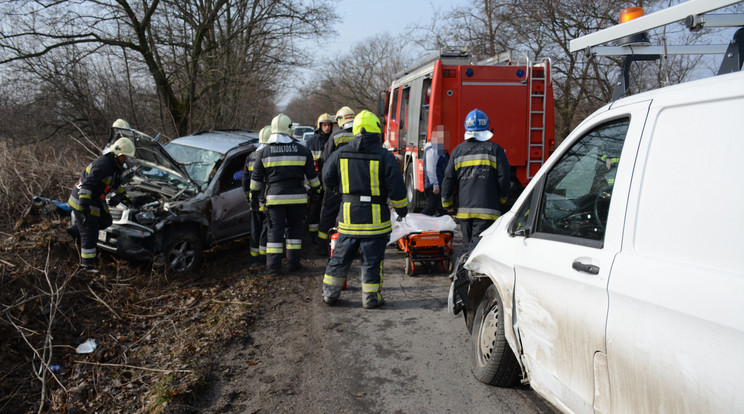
(299, 131)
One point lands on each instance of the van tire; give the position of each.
(493, 361)
(183, 252)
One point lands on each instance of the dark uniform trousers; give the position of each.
(277, 217)
(88, 226)
(373, 253)
(329, 212)
(259, 233)
(313, 215)
(471, 230)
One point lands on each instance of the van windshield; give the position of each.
(200, 163)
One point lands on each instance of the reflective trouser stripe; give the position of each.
(312, 228)
(294, 244)
(88, 253)
(274, 248)
(333, 281)
(322, 235)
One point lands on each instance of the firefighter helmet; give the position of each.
(366, 122)
(281, 124)
(120, 123)
(263, 136)
(477, 126)
(345, 116)
(123, 146)
(324, 118)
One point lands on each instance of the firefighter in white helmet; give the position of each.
(280, 171)
(88, 198)
(367, 175)
(332, 200)
(258, 218)
(316, 144)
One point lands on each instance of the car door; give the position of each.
(230, 211)
(566, 240)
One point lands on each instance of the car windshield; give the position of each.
(200, 163)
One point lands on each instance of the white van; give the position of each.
(616, 282)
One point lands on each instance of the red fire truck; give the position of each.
(434, 96)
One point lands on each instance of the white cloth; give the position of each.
(416, 222)
(279, 139)
(484, 135)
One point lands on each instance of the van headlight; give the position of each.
(145, 217)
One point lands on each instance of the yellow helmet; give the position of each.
(366, 122)
(120, 123)
(324, 118)
(264, 135)
(281, 124)
(123, 146)
(344, 116)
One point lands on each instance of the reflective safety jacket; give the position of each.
(282, 170)
(479, 173)
(102, 176)
(316, 144)
(337, 140)
(366, 175)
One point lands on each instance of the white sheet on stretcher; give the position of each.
(414, 222)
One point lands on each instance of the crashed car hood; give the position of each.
(151, 153)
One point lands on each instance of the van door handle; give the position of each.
(586, 268)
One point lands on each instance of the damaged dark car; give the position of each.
(186, 196)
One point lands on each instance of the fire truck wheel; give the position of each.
(413, 194)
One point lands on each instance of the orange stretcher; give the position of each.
(427, 248)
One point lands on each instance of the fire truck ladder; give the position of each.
(538, 78)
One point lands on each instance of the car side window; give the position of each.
(232, 175)
(577, 191)
(523, 214)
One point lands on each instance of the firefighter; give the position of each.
(258, 222)
(316, 144)
(366, 175)
(331, 199)
(88, 198)
(280, 170)
(479, 174)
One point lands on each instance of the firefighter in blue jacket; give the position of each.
(88, 198)
(366, 175)
(258, 218)
(316, 144)
(280, 171)
(479, 174)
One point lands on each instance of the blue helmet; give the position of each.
(476, 121)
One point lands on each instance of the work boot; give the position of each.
(87, 268)
(330, 300)
(374, 303)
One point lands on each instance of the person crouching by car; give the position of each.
(88, 198)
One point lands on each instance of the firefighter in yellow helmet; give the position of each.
(280, 171)
(88, 198)
(331, 200)
(258, 218)
(316, 144)
(366, 176)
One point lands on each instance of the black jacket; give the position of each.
(366, 175)
(283, 168)
(316, 144)
(102, 176)
(337, 140)
(480, 174)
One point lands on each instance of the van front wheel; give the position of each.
(493, 361)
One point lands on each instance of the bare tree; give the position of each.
(192, 51)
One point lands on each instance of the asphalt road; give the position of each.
(409, 356)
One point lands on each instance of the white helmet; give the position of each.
(263, 136)
(120, 123)
(344, 116)
(281, 124)
(123, 146)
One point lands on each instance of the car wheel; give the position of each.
(493, 361)
(183, 252)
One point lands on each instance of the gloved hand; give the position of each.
(115, 200)
(402, 212)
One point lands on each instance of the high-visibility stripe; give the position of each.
(448, 203)
(376, 214)
(346, 216)
(294, 244)
(479, 213)
(371, 288)
(254, 254)
(400, 203)
(477, 216)
(312, 227)
(255, 185)
(315, 182)
(316, 154)
(342, 139)
(344, 164)
(333, 281)
(322, 235)
(475, 163)
(365, 232)
(283, 161)
(283, 199)
(475, 160)
(374, 177)
(361, 226)
(88, 253)
(274, 248)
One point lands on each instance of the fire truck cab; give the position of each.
(433, 96)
